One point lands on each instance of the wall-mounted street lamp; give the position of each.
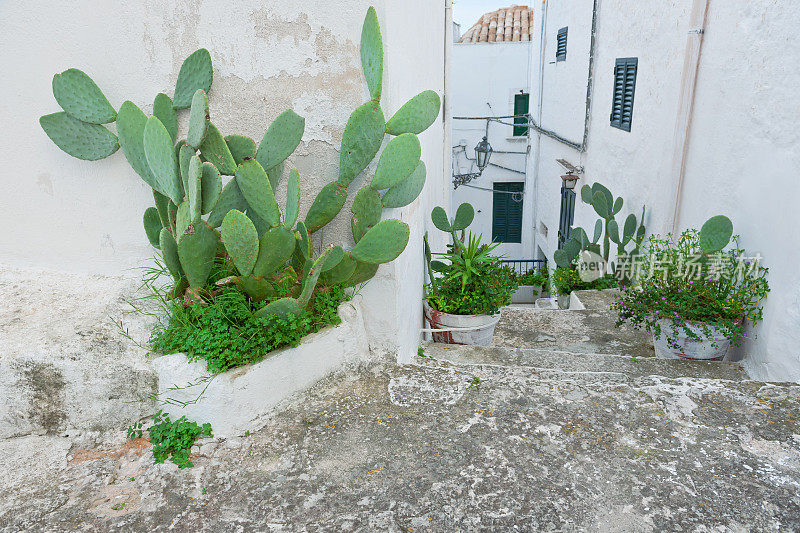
(569, 181)
(483, 153)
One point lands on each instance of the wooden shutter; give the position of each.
(624, 88)
(561, 44)
(521, 106)
(507, 211)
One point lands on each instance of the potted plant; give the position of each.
(469, 290)
(568, 279)
(531, 285)
(694, 295)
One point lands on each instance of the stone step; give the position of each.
(571, 362)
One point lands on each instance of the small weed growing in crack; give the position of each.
(172, 440)
(118, 507)
(475, 381)
(635, 359)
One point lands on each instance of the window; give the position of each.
(507, 211)
(521, 103)
(624, 86)
(561, 44)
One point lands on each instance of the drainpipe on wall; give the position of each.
(447, 155)
(683, 121)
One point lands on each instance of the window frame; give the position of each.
(624, 89)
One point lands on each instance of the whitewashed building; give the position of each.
(490, 76)
(688, 107)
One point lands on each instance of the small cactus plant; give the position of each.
(199, 221)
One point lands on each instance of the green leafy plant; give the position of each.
(228, 331)
(694, 280)
(566, 280)
(173, 440)
(199, 222)
(536, 277)
(472, 281)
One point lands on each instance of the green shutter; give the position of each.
(506, 212)
(521, 105)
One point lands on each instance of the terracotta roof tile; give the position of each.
(513, 23)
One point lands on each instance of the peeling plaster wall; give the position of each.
(744, 148)
(268, 55)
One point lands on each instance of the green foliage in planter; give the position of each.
(566, 280)
(226, 332)
(172, 440)
(472, 281)
(607, 208)
(192, 202)
(536, 277)
(694, 279)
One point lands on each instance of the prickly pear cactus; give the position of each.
(203, 218)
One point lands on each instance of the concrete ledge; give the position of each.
(239, 400)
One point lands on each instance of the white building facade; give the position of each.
(710, 127)
(490, 78)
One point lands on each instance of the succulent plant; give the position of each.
(265, 244)
(606, 227)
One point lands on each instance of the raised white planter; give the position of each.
(239, 400)
(700, 350)
(480, 332)
(563, 301)
(526, 294)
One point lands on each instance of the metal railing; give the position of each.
(521, 266)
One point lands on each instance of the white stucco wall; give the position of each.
(268, 55)
(744, 148)
(491, 73)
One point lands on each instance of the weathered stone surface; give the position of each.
(63, 362)
(432, 448)
(591, 330)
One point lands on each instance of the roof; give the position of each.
(513, 23)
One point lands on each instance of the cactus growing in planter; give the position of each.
(606, 227)
(196, 211)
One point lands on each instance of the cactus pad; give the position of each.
(211, 187)
(196, 250)
(230, 198)
(439, 219)
(397, 162)
(196, 73)
(215, 150)
(275, 249)
(334, 257)
(194, 191)
(152, 226)
(372, 53)
(326, 206)
(240, 238)
(416, 115)
(257, 288)
(77, 138)
(162, 205)
(163, 110)
(256, 189)
(367, 206)
(130, 128)
(715, 234)
(182, 220)
(361, 140)
(79, 96)
(363, 272)
(161, 157)
(383, 242)
(292, 199)
(304, 240)
(198, 119)
(341, 272)
(407, 190)
(241, 147)
(281, 139)
(600, 204)
(169, 249)
(465, 214)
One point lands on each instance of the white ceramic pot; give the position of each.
(701, 349)
(480, 332)
(526, 294)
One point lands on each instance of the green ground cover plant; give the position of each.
(172, 440)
